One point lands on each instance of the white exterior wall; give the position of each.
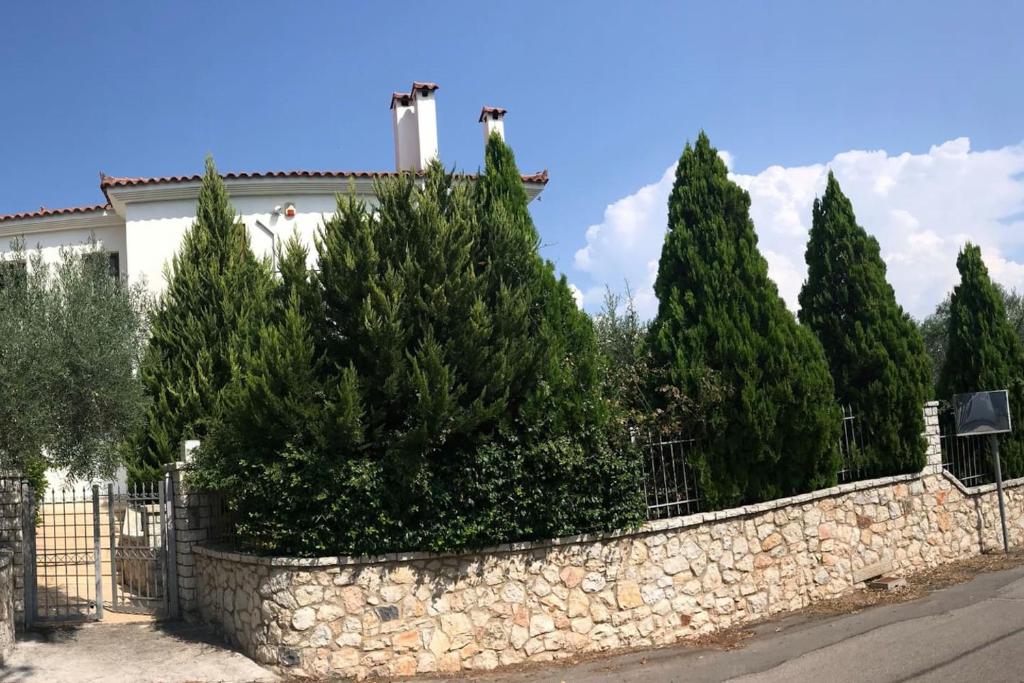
(154, 230)
(147, 225)
(50, 241)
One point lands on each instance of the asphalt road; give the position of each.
(970, 632)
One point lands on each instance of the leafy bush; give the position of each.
(435, 388)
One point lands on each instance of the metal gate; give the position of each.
(99, 549)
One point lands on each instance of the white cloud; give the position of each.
(921, 207)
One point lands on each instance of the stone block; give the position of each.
(872, 570)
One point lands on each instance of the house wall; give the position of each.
(536, 602)
(49, 242)
(154, 230)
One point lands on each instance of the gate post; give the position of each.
(28, 554)
(167, 524)
(97, 553)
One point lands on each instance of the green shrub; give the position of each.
(437, 389)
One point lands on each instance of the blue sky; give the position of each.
(603, 95)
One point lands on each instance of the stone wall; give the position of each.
(535, 602)
(6, 603)
(15, 518)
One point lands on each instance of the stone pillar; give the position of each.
(933, 452)
(6, 603)
(193, 522)
(16, 520)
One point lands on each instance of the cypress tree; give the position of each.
(217, 291)
(593, 466)
(771, 429)
(984, 351)
(875, 352)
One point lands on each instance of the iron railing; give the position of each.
(670, 484)
(851, 446)
(965, 457)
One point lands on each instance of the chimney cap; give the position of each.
(494, 112)
(418, 85)
(403, 99)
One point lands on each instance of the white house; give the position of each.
(142, 221)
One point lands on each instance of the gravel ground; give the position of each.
(128, 653)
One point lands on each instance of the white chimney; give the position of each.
(406, 139)
(493, 119)
(426, 122)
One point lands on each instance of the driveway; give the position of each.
(973, 631)
(128, 653)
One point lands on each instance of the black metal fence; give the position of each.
(851, 446)
(965, 457)
(670, 482)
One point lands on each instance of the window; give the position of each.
(13, 272)
(110, 259)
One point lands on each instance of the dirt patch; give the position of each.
(920, 583)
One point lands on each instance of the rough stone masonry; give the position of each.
(400, 615)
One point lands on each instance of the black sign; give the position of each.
(983, 412)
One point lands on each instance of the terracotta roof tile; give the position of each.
(491, 110)
(403, 97)
(109, 181)
(44, 212)
(420, 85)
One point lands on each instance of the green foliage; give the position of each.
(646, 403)
(435, 388)
(217, 291)
(772, 428)
(70, 339)
(622, 341)
(874, 350)
(984, 351)
(935, 328)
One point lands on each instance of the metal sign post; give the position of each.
(987, 412)
(994, 443)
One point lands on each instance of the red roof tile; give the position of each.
(108, 181)
(43, 212)
(418, 85)
(491, 110)
(403, 97)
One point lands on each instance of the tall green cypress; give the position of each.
(772, 428)
(984, 352)
(584, 453)
(874, 350)
(217, 291)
